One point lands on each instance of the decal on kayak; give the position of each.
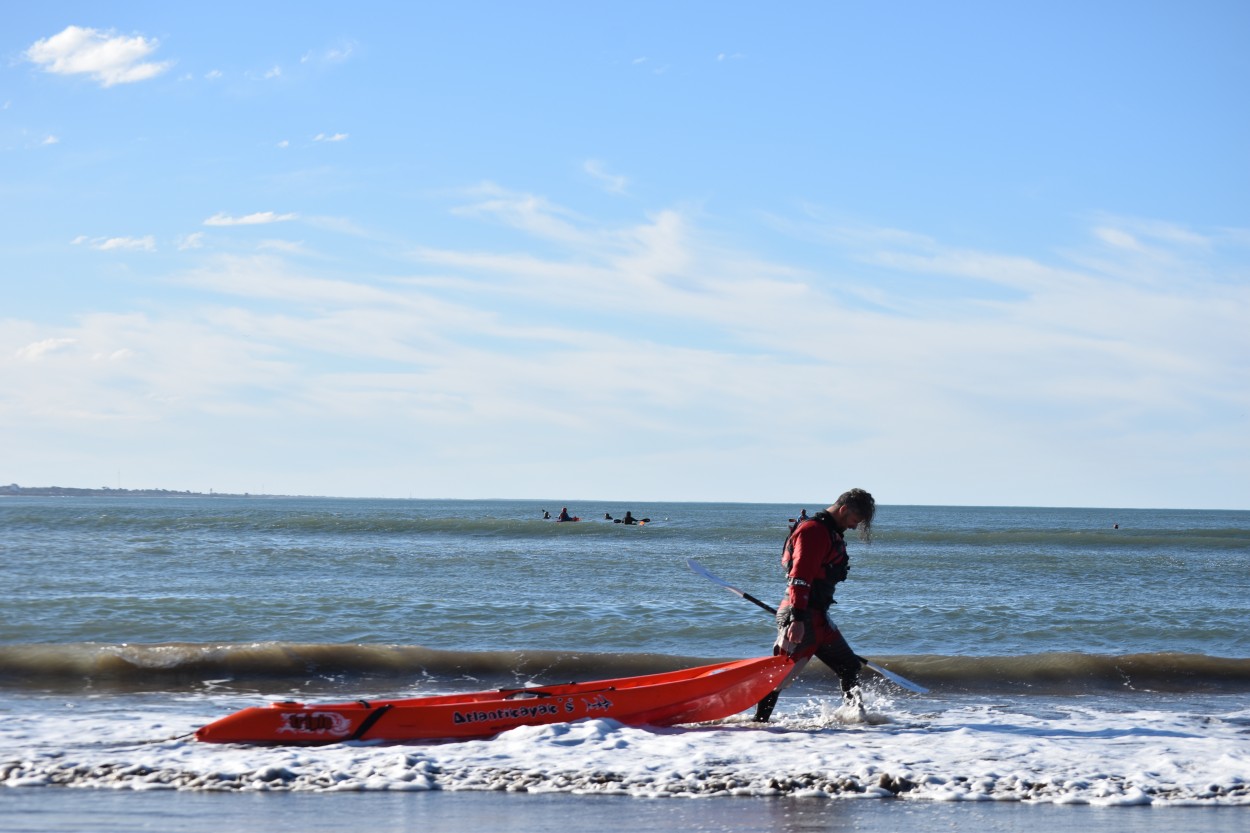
(599, 703)
(317, 723)
(519, 713)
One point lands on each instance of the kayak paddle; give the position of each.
(715, 579)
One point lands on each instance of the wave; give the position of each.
(322, 667)
(1078, 673)
(278, 666)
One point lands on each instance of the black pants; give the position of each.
(830, 647)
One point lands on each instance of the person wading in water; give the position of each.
(815, 560)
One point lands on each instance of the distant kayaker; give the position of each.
(565, 516)
(816, 560)
(796, 521)
(629, 518)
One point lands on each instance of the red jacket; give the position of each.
(815, 559)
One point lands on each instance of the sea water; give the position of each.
(1073, 656)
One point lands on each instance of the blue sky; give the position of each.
(967, 253)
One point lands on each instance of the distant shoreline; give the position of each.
(14, 490)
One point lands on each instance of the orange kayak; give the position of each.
(692, 695)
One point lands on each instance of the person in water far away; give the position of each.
(796, 521)
(815, 560)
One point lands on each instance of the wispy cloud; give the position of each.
(105, 56)
(612, 183)
(39, 349)
(194, 240)
(292, 247)
(683, 344)
(333, 55)
(146, 243)
(529, 212)
(330, 137)
(258, 219)
(1165, 232)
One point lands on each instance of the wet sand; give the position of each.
(61, 810)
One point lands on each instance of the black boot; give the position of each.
(764, 709)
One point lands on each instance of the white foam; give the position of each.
(941, 750)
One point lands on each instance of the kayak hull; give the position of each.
(691, 695)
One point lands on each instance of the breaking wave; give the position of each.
(280, 666)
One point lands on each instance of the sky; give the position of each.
(972, 253)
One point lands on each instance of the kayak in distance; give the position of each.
(628, 520)
(691, 695)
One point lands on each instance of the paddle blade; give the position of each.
(699, 569)
(903, 682)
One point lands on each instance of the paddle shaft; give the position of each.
(767, 607)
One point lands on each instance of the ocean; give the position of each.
(1085, 667)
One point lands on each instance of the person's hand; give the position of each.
(790, 639)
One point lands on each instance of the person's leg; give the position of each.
(764, 709)
(837, 654)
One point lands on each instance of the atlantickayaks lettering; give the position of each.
(521, 713)
(600, 703)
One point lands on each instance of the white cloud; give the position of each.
(333, 55)
(110, 244)
(612, 183)
(50, 140)
(39, 349)
(528, 212)
(292, 247)
(330, 137)
(607, 339)
(257, 219)
(108, 58)
(1172, 234)
(195, 240)
(145, 244)
(1118, 238)
(340, 54)
(119, 355)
